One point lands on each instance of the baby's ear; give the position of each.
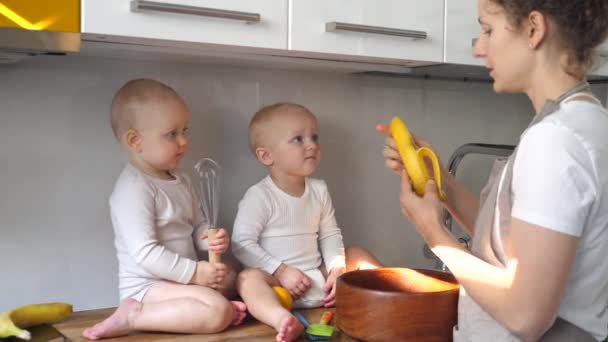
(264, 156)
(132, 139)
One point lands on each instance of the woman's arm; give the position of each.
(525, 296)
(462, 204)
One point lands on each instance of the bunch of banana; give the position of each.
(413, 159)
(13, 322)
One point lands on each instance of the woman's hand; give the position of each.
(391, 154)
(393, 159)
(424, 212)
(462, 204)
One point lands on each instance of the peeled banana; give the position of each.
(413, 159)
(13, 322)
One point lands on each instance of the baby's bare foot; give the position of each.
(289, 329)
(240, 312)
(117, 324)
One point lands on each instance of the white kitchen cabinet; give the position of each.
(602, 61)
(461, 31)
(251, 23)
(396, 29)
(602, 66)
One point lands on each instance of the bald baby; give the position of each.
(139, 99)
(261, 125)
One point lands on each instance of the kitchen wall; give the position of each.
(59, 160)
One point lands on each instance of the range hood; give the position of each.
(31, 28)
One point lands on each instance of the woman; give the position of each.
(537, 267)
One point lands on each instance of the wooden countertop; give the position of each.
(251, 330)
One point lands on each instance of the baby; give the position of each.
(157, 224)
(285, 230)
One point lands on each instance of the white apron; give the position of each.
(491, 231)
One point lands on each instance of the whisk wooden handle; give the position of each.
(213, 258)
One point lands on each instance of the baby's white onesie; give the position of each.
(273, 227)
(157, 224)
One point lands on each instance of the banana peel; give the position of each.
(14, 322)
(413, 159)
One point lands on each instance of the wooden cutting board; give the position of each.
(251, 330)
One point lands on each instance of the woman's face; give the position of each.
(504, 49)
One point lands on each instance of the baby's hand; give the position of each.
(208, 274)
(293, 280)
(220, 243)
(330, 286)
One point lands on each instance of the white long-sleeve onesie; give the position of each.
(156, 226)
(273, 227)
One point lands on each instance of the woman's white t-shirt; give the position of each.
(560, 181)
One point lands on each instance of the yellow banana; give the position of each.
(413, 159)
(13, 322)
(284, 297)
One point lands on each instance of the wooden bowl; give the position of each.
(397, 304)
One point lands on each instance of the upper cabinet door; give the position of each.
(56, 15)
(253, 23)
(399, 29)
(461, 31)
(602, 61)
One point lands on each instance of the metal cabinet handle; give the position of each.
(387, 31)
(139, 5)
(474, 41)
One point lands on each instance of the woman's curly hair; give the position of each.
(582, 25)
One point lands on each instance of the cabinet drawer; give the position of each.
(397, 29)
(252, 23)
